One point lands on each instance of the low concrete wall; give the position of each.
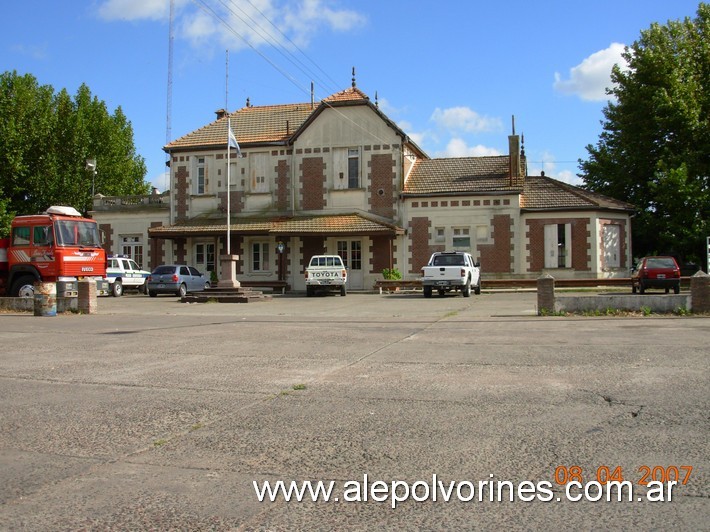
(27, 304)
(658, 303)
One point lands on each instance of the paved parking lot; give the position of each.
(154, 414)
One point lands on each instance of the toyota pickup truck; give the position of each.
(326, 272)
(454, 270)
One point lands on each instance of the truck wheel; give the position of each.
(676, 289)
(309, 291)
(182, 290)
(477, 289)
(343, 291)
(23, 287)
(427, 291)
(117, 288)
(152, 293)
(466, 289)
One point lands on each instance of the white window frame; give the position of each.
(200, 176)
(345, 177)
(132, 247)
(208, 248)
(260, 256)
(463, 235)
(558, 246)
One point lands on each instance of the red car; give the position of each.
(656, 272)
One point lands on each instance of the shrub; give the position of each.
(391, 274)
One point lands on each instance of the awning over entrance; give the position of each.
(332, 225)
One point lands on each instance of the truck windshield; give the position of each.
(76, 233)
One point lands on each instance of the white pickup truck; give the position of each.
(326, 272)
(123, 272)
(454, 270)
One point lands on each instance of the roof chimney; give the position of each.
(514, 157)
(221, 113)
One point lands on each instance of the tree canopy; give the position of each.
(654, 151)
(45, 141)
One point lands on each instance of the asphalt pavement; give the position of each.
(158, 415)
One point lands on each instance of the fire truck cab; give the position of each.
(57, 245)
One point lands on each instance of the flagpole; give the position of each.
(229, 129)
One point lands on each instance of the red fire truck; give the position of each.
(58, 245)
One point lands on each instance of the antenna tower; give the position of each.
(169, 112)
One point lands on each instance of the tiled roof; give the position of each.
(258, 124)
(461, 175)
(339, 224)
(348, 95)
(544, 193)
(266, 123)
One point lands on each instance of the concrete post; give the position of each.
(700, 292)
(228, 271)
(87, 297)
(545, 294)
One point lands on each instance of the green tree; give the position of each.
(654, 150)
(45, 140)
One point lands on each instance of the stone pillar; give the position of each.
(545, 294)
(700, 292)
(87, 297)
(228, 271)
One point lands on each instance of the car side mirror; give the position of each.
(477, 264)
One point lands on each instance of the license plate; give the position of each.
(442, 283)
(161, 286)
(661, 276)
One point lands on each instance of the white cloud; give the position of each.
(457, 147)
(549, 166)
(250, 23)
(134, 9)
(464, 119)
(592, 76)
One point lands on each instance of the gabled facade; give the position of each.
(340, 177)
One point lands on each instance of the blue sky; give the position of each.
(450, 73)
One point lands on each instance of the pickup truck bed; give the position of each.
(449, 271)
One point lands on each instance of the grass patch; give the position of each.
(550, 312)
(160, 442)
(299, 386)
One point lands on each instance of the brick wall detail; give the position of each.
(419, 248)
(382, 174)
(283, 191)
(108, 231)
(496, 257)
(156, 249)
(311, 245)
(181, 193)
(236, 201)
(312, 184)
(381, 253)
(181, 250)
